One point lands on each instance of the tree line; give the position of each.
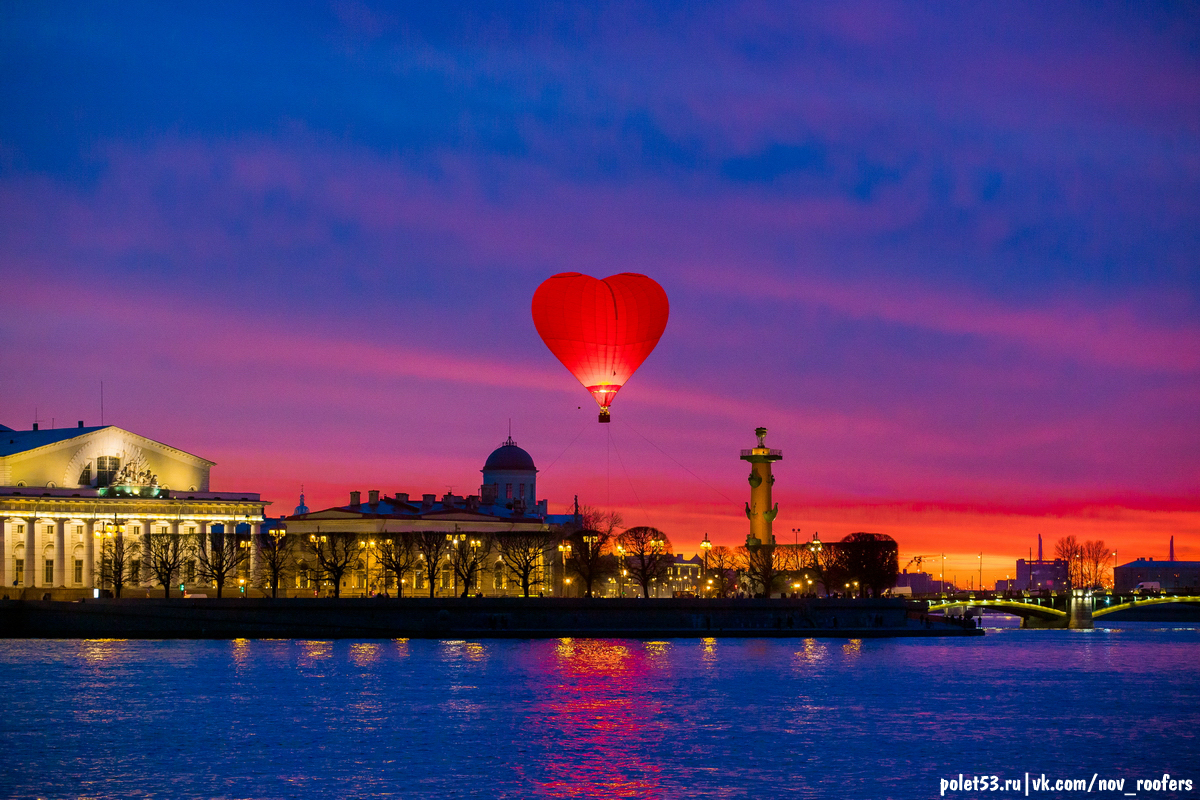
(596, 549)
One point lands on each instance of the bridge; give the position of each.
(1077, 609)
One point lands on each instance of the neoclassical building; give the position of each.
(62, 490)
(507, 503)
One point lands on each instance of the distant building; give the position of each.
(1169, 575)
(506, 504)
(916, 582)
(683, 576)
(1042, 574)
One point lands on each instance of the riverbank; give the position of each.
(452, 618)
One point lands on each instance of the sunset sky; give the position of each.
(947, 254)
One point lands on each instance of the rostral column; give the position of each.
(759, 510)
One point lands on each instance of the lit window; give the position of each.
(19, 569)
(106, 469)
(508, 491)
(79, 570)
(521, 494)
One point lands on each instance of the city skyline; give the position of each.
(946, 258)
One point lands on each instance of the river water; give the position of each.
(598, 718)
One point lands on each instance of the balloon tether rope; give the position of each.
(568, 447)
(681, 466)
(632, 488)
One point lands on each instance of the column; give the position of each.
(147, 528)
(182, 576)
(30, 554)
(202, 538)
(3, 553)
(89, 554)
(60, 553)
(255, 532)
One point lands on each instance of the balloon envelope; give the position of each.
(601, 330)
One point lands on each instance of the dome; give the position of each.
(509, 457)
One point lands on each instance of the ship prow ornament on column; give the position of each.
(759, 510)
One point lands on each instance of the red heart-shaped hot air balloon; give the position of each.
(600, 330)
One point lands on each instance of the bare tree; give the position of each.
(1094, 563)
(1068, 548)
(590, 557)
(605, 522)
(117, 558)
(759, 565)
(722, 570)
(398, 556)
(871, 561)
(647, 552)
(468, 555)
(431, 546)
(524, 555)
(164, 557)
(335, 554)
(219, 557)
(275, 562)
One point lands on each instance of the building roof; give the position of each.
(447, 505)
(1145, 563)
(13, 442)
(509, 457)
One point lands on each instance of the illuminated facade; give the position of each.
(507, 504)
(64, 490)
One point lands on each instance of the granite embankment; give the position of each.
(487, 617)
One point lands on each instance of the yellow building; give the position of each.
(62, 490)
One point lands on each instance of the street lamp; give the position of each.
(706, 545)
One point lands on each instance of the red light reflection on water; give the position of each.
(599, 713)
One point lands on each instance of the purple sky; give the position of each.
(947, 254)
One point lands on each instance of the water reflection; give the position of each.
(582, 718)
(600, 706)
(813, 652)
(364, 654)
(710, 652)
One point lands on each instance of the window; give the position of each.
(79, 530)
(190, 572)
(508, 491)
(418, 580)
(136, 530)
(79, 570)
(135, 569)
(85, 477)
(49, 530)
(106, 469)
(48, 572)
(447, 576)
(20, 529)
(19, 571)
(498, 576)
(191, 530)
(521, 493)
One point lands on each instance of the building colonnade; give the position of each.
(64, 551)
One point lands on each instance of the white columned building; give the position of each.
(63, 491)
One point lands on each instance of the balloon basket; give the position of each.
(604, 416)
